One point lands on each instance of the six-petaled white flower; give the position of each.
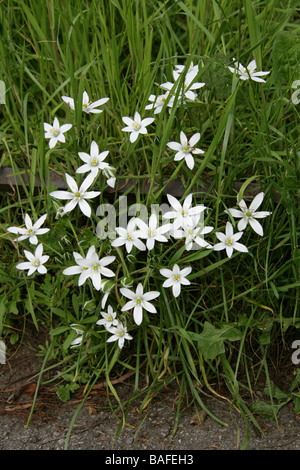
(194, 234)
(87, 106)
(77, 195)
(31, 231)
(136, 126)
(55, 132)
(152, 232)
(79, 269)
(35, 261)
(109, 318)
(186, 148)
(157, 102)
(91, 267)
(95, 268)
(249, 72)
(229, 241)
(187, 88)
(119, 333)
(176, 277)
(182, 214)
(249, 215)
(129, 237)
(139, 301)
(94, 161)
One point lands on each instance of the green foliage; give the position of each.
(221, 329)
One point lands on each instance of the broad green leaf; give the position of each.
(211, 340)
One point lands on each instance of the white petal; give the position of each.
(194, 139)
(71, 183)
(62, 195)
(257, 201)
(256, 227)
(149, 307)
(176, 289)
(85, 208)
(138, 314)
(240, 247)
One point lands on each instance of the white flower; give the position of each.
(80, 269)
(139, 301)
(136, 126)
(192, 68)
(152, 232)
(109, 318)
(91, 267)
(87, 106)
(96, 268)
(93, 161)
(248, 72)
(187, 87)
(35, 262)
(55, 132)
(80, 331)
(249, 215)
(119, 333)
(77, 195)
(31, 231)
(229, 241)
(186, 148)
(182, 213)
(129, 237)
(159, 101)
(110, 173)
(194, 234)
(175, 278)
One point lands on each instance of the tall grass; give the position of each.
(123, 50)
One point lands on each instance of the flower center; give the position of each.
(249, 214)
(35, 262)
(30, 230)
(95, 268)
(55, 132)
(94, 161)
(229, 242)
(136, 125)
(129, 237)
(186, 148)
(138, 301)
(176, 277)
(77, 194)
(84, 105)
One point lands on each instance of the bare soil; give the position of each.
(97, 426)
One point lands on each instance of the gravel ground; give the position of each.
(96, 426)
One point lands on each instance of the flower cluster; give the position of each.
(183, 221)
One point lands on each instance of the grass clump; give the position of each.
(241, 294)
